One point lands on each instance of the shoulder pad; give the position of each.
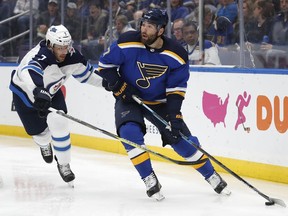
(129, 36)
(171, 45)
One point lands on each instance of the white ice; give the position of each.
(108, 184)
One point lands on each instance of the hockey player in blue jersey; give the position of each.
(36, 86)
(155, 68)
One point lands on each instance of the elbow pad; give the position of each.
(174, 103)
(111, 75)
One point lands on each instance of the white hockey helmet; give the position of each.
(59, 35)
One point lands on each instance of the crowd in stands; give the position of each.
(265, 25)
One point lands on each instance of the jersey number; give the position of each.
(43, 57)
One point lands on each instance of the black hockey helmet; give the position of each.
(156, 16)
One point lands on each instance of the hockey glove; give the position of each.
(176, 124)
(106, 85)
(123, 91)
(42, 101)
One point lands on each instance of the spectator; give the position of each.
(120, 9)
(190, 5)
(221, 31)
(4, 14)
(146, 4)
(280, 27)
(43, 5)
(49, 17)
(131, 6)
(177, 30)
(96, 27)
(97, 21)
(228, 9)
(277, 6)
(260, 28)
(212, 5)
(121, 25)
(262, 24)
(96, 47)
(247, 19)
(137, 15)
(190, 35)
(178, 10)
(82, 8)
(72, 22)
(23, 21)
(209, 16)
(277, 52)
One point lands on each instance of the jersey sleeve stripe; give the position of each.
(37, 64)
(182, 94)
(34, 68)
(182, 89)
(83, 73)
(85, 80)
(102, 66)
(131, 45)
(21, 95)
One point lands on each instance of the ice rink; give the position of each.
(108, 184)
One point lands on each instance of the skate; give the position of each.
(153, 187)
(47, 153)
(218, 184)
(66, 173)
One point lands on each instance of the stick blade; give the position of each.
(273, 201)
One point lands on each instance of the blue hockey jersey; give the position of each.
(154, 72)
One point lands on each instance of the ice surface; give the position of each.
(108, 184)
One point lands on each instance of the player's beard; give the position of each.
(150, 39)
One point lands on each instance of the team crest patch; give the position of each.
(149, 71)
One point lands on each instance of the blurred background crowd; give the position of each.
(95, 24)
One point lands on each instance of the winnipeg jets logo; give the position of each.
(56, 86)
(149, 71)
(53, 29)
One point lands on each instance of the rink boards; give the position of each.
(239, 116)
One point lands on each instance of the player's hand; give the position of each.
(124, 91)
(42, 101)
(176, 125)
(105, 84)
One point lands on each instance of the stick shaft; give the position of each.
(124, 140)
(139, 101)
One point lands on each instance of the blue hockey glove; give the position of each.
(42, 101)
(176, 124)
(124, 91)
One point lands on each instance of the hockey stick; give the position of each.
(124, 140)
(271, 201)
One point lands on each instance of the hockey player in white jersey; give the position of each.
(36, 86)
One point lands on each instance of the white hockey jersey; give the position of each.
(39, 68)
